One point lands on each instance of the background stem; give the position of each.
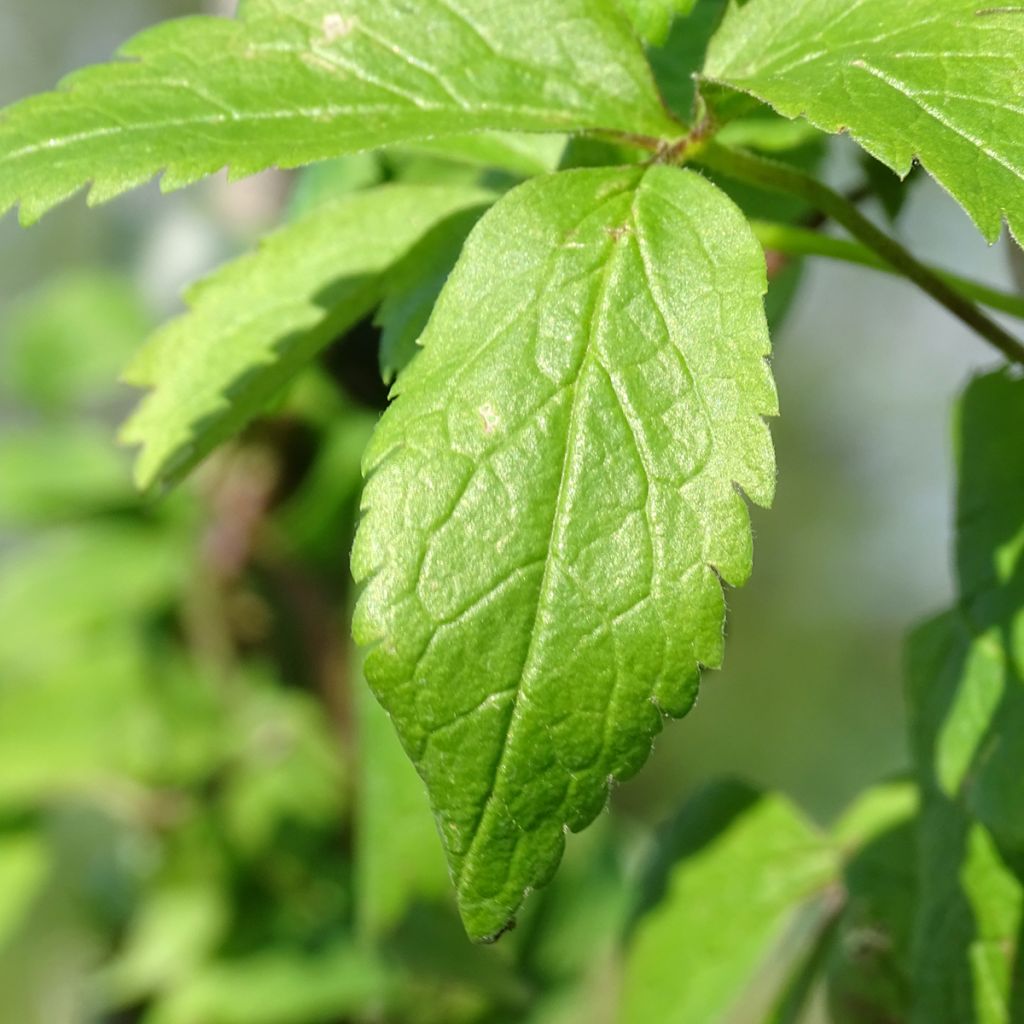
(768, 174)
(792, 240)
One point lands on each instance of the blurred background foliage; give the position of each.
(204, 819)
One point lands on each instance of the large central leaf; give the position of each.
(939, 80)
(300, 81)
(553, 502)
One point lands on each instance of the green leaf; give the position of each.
(553, 501)
(291, 85)
(940, 81)
(728, 901)
(653, 18)
(966, 696)
(968, 928)
(258, 321)
(24, 863)
(60, 472)
(280, 985)
(984, 732)
(868, 967)
(677, 58)
(61, 347)
(398, 860)
(413, 289)
(68, 573)
(322, 183)
(523, 155)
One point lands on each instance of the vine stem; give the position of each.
(777, 177)
(791, 240)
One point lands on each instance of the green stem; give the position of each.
(769, 174)
(797, 241)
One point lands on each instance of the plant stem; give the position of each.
(769, 174)
(799, 241)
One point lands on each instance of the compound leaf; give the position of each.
(288, 84)
(940, 81)
(552, 502)
(259, 320)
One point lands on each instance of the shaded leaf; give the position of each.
(24, 861)
(62, 347)
(413, 288)
(966, 698)
(258, 321)
(729, 900)
(653, 18)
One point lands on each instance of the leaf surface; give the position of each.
(259, 320)
(966, 697)
(413, 289)
(289, 84)
(941, 81)
(727, 901)
(552, 502)
(653, 18)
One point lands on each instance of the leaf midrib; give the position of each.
(558, 519)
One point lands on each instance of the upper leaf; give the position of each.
(941, 81)
(553, 501)
(256, 322)
(292, 83)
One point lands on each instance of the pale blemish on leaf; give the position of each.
(337, 26)
(490, 417)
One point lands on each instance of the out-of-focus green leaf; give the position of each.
(983, 734)
(577, 921)
(290, 86)
(869, 968)
(280, 986)
(728, 902)
(881, 809)
(77, 730)
(322, 183)
(652, 19)
(966, 694)
(62, 347)
(520, 155)
(399, 861)
(286, 767)
(78, 582)
(680, 55)
(969, 921)
(24, 862)
(319, 520)
(552, 505)
(413, 288)
(174, 932)
(257, 322)
(58, 471)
